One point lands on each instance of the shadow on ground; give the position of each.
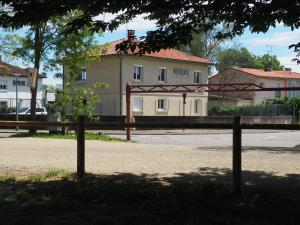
(203, 197)
(276, 150)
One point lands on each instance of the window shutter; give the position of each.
(142, 73)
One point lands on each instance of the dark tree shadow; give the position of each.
(276, 150)
(203, 197)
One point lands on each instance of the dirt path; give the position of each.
(33, 155)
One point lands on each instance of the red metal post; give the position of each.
(184, 103)
(183, 109)
(128, 111)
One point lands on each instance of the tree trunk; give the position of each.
(37, 59)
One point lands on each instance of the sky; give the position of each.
(276, 41)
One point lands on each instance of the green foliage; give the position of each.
(51, 174)
(262, 61)
(53, 43)
(235, 57)
(88, 136)
(252, 110)
(242, 57)
(4, 179)
(75, 101)
(205, 44)
(176, 20)
(7, 109)
(284, 101)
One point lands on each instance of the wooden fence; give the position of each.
(81, 125)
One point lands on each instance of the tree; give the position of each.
(205, 44)
(46, 43)
(261, 62)
(242, 57)
(235, 57)
(176, 20)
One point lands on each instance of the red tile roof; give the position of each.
(164, 53)
(267, 74)
(7, 69)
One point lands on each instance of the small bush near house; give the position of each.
(284, 101)
(5, 110)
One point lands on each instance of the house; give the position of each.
(10, 76)
(265, 78)
(168, 66)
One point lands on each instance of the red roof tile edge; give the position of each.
(164, 53)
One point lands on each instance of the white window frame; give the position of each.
(83, 73)
(180, 72)
(165, 106)
(20, 83)
(198, 72)
(277, 94)
(3, 83)
(134, 73)
(159, 75)
(197, 106)
(141, 106)
(82, 76)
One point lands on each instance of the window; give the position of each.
(137, 73)
(3, 85)
(197, 77)
(293, 83)
(20, 82)
(162, 76)
(161, 104)
(180, 72)
(83, 75)
(138, 104)
(278, 93)
(40, 110)
(197, 106)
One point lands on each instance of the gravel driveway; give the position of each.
(33, 155)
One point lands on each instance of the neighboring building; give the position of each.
(8, 75)
(266, 78)
(164, 67)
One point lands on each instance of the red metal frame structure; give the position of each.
(192, 88)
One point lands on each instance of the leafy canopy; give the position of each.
(176, 20)
(242, 57)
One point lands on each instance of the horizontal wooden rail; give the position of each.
(148, 125)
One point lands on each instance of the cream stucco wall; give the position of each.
(150, 76)
(117, 71)
(262, 96)
(233, 76)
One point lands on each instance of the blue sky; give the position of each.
(275, 41)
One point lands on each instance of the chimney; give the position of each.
(268, 68)
(288, 69)
(131, 35)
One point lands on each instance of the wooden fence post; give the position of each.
(80, 148)
(237, 155)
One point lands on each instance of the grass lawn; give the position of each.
(126, 199)
(88, 136)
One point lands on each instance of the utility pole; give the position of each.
(17, 101)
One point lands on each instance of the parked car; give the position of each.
(26, 111)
